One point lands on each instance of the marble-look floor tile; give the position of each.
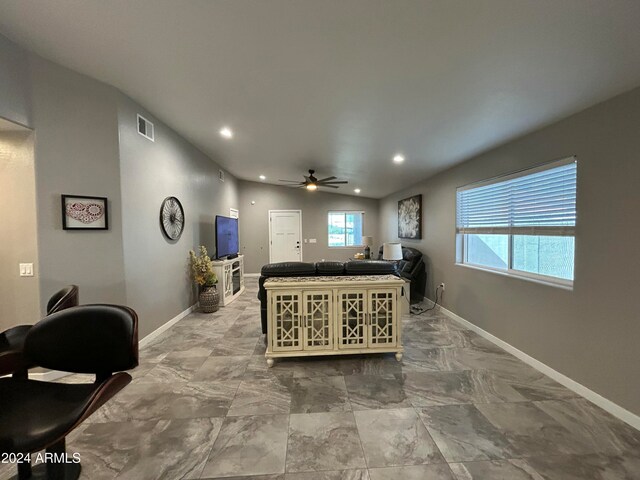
(262, 397)
(587, 467)
(312, 366)
(319, 394)
(599, 430)
(462, 433)
(445, 388)
(531, 431)
(222, 368)
(417, 359)
(323, 441)
(173, 370)
(102, 459)
(495, 470)
(249, 327)
(254, 445)
(540, 387)
(234, 346)
(280, 476)
(258, 368)
(373, 364)
(436, 471)
(166, 401)
(160, 457)
(395, 438)
(373, 392)
(358, 474)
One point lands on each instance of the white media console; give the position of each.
(230, 273)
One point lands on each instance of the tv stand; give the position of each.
(230, 273)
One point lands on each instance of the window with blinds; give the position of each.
(522, 224)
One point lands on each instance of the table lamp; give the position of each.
(367, 241)
(392, 251)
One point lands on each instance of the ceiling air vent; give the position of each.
(221, 175)
(145, 128)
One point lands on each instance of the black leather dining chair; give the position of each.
(12, 360)
(36, 415)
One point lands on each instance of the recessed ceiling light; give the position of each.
(398, 158)
(357, 190)
(262, 177)
(226, 132)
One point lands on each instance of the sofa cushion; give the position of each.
(330, 268)
(288, 269)
(370, 267)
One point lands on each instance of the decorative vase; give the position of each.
(209, 299)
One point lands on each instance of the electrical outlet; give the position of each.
(441, 286)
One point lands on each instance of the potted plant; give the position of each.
(205, 278)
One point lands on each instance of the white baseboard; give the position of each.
(604, 403)
(252, 275)
(51, 375)
(149, 338)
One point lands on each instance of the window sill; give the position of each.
(356, 247)
(564, 285)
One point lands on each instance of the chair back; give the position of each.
(99, 339)
(65, 298)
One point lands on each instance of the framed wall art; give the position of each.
(410, 218)
(84, 213)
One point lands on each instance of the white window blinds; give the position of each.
(539, 201)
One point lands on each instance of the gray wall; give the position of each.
(76, 152)
(15, 95)
(84, 134)
(591, 333)
(156, 269)
(20, 295)
(254, 220)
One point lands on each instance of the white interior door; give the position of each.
(285, 236)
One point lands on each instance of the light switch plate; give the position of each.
(312, 240)
(26, 269)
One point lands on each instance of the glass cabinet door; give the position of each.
(352, 319)
(318, 315)
(381, 318)
(286, 309)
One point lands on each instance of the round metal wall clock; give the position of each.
(172, 218)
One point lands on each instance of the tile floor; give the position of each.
(204, 405)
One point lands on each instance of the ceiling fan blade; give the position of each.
(333, 183)
(326, 179)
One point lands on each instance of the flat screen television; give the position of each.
(226, 237)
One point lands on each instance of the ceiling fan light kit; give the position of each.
(311, 183)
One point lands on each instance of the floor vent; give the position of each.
(145, 128)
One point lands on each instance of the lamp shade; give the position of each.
(392, 251)
(367, 241)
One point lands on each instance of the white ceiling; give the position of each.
(342, 85)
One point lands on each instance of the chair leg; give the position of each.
(24, 471)
(21, 374)
(57, 467)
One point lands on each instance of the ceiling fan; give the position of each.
(312, 183)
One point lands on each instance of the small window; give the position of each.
(345, 229)
(521, 224)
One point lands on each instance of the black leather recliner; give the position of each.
(413, 269)
(303, 269)
(36, 415)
